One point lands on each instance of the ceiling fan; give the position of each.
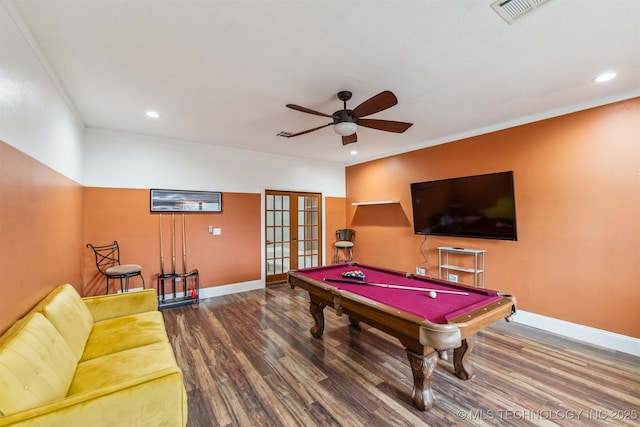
(345, 122)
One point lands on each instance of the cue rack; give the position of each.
(176, 288)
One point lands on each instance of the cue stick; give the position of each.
(173, 244)
(173, 252)
(184, 248)
(385, 285)
(184, 257)
(161, 249)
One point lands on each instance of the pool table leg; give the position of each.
(422, 368)
(460, 356)
(317, 312)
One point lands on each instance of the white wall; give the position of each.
(125, 160)
(35, 116)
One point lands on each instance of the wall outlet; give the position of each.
(420, 271)
(453, 277)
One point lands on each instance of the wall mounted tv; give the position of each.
(480, 206)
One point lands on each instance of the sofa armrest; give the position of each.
(154, 399)
(118, 305)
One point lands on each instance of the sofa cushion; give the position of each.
(122, 333)
(122, 367)
(71, 317)
(36, 365)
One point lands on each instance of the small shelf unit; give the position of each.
(444, 266)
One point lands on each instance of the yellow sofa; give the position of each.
(99, 361)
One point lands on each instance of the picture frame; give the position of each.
(185, 201)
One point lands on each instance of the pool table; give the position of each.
(400, 304)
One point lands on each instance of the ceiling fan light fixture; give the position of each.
(345, 128)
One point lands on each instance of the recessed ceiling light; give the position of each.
(153, 114)
(603, 77)
(354, 152)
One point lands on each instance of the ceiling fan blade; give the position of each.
(385, 125)
(349, 139)
(306, 110)
(291, 135)
(376, 103)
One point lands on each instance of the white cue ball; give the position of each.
(433, 294)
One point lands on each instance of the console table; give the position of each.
(478, 263)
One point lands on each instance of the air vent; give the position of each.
(511, 10)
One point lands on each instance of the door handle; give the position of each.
(294, 239)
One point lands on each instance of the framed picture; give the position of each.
(185, 201)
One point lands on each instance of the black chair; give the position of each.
(108, 263)
(344, 242)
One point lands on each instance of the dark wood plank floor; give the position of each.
(249, 360)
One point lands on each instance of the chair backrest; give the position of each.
(345, 235)
(106, 256)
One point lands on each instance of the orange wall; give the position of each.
(577, 257)
(123, 215)
(40, 236)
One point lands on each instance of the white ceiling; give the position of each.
(221, 72)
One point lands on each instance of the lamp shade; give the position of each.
(345, 128)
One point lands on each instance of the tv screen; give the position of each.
(480, 206)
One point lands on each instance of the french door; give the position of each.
(293, 231)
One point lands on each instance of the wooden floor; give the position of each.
(249, 360)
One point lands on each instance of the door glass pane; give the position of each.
(285, 218)
(278, 266)
(285, 234)
(286, 265)
(314, 261)
(269, 234)
(285, 203)
(278, 253)
(278, 218)
(278, 202)
(301, 203)
(278, 234)
(270, 218)
(300, 233)
(270, 202)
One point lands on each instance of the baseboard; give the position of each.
(216, 291)
(587, 334)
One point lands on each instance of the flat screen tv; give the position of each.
(480, 206)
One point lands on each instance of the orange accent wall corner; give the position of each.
(577, 183)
